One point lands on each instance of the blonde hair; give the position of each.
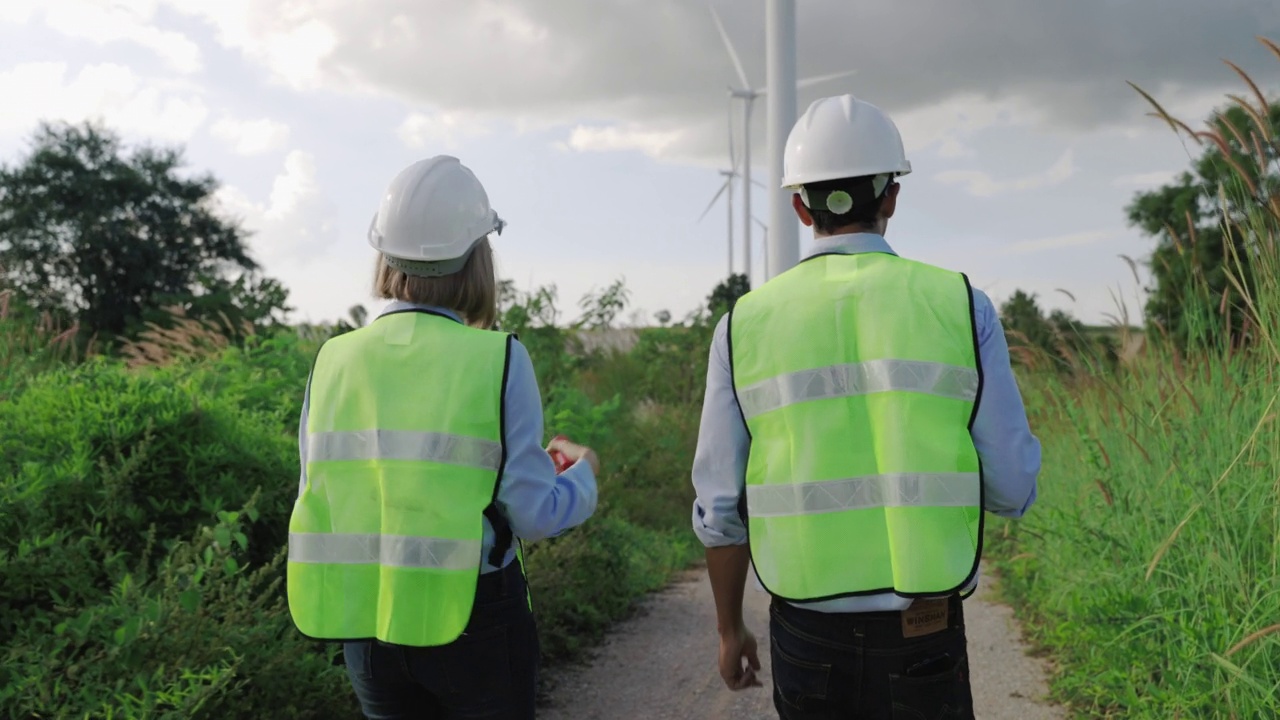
(472, 292)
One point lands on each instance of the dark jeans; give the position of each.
(859, 665)
(490, 672)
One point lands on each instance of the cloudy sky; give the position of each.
(599, 126)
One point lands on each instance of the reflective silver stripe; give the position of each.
(392, 550)
(863, 378)
(873, 491)
(404, 445)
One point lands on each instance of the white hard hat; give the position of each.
(431, 216)
(842, 137)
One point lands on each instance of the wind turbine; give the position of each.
(748, 94)
(727, 190)
(729, 175)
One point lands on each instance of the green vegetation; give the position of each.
(149, 410)
(1150, 567)
(145, 495)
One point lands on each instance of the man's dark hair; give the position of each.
(866, 205)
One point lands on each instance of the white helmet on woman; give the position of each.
(431, 216)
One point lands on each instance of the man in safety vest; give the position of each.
(860, 414)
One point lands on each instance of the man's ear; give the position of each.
(890, 202)
(802, 212)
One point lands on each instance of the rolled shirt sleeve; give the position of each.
(720, 460)
(535, 500)
(1010, 453)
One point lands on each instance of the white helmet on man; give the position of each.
(842, 137)
(431, 216)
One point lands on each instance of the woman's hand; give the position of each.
(575, 452)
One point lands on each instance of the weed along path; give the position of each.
(661, 664)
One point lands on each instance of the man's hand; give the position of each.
(734, 646)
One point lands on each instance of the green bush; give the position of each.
(128, 587)
(200, 636)
(144, 505)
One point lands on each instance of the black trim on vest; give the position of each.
(733, 384)
(502, 532)
(742, 500)
(982, 483)
(422, 311)
(843, 253)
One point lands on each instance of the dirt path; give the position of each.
(661, 664)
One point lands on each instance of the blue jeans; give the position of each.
(858, 665)
(490, 672)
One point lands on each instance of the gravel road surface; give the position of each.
(661, 664)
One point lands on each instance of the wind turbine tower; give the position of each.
(780, 54)
(748, 94)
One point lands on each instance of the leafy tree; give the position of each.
(90, 232)
(357, 315)
(1059, 336)
(1193, 299)
(599, 309)
(1024, 320)
(725, 295)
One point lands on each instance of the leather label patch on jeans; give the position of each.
(925, 617)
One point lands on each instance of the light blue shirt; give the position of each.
(1010, 453)
(536, 501)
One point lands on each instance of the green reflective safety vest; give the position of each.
(858, 378)
(404, 455)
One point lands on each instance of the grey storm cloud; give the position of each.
(660, 63)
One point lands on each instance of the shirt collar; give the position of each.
(401, 306)
(850, 244)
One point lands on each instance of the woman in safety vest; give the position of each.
(421, 460)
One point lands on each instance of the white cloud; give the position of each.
(103, 23)
(297, 53)
(613, 138)
(251, 137)
(952, 148)
(294, 225)
(981, 184)
(948, 124)
(420, 131)
(292, 40)
(1145, 181)
(17, 12)
(1058, 241)
(112, 93)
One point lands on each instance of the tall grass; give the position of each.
(30, 342)
(1151, 565)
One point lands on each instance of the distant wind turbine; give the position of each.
(748, 95)
(727, 186)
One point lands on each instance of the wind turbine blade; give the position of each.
(728, 44)
(714, 198)
(733, 155)
(759, 184)
(811, 81)
(760, 222)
